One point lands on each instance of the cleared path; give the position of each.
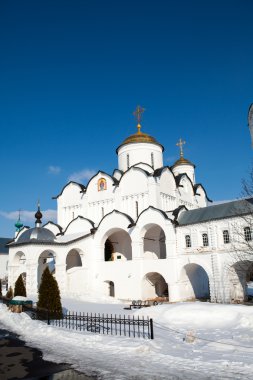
(19, 361)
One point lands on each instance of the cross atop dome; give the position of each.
(182, 160)
(139, 137)
(138, 115)
(180, 143)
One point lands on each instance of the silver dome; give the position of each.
(36, 234)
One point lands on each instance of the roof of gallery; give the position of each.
(3, 242)
(48, 243)
(214, 212)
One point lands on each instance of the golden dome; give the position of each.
(182, 161)
(140, 137)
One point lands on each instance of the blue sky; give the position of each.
(72, 72)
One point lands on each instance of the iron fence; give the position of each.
(130, 326)
(108, 324)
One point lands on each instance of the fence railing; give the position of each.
(108, 324)
(130, 326)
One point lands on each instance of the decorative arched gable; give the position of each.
(54, 227)
(100, 186)
(117, 174)
(148, 168)
(70, 203)
(115, 218)
(69, 187)
(151, 209)
(185, 188)
(185, 182)
(180, 177)
(167, 182)
(149, 216)
(79, 224)
(134, 181)
(113, 221)
(200, 195)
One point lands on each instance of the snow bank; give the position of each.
(20, 298)
(201, 315)
(223, 348)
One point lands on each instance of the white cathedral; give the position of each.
(147, 230)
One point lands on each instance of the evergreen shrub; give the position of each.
(49, 295)
(20, 289)
(9, 294)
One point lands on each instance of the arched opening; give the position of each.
(194, 282)
(154, 242)
(118, 246)
(73, 259)
(109, 250)
(19, 259)
(154, 285)
(19, 263)
(109, 289)
(46, 259)
(241, 281)
(75, 273)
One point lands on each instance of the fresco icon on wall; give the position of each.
(102, 184)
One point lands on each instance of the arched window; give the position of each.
(137, 209)
(247, 234)
(226, 239)
(128, 162)
(188, 243)
(152, 160)
(205, 240)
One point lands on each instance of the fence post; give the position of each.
(151, 328)
(48, 317)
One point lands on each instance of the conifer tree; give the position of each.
(49, 294)
(20, 289)
(1, 287)
(9, 294)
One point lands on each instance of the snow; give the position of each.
(70, 237)
(20, 298)
(193, 340)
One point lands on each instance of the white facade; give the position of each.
(127, 235)
(132, 154)
(4, 258)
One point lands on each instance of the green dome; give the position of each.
(18, 225)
